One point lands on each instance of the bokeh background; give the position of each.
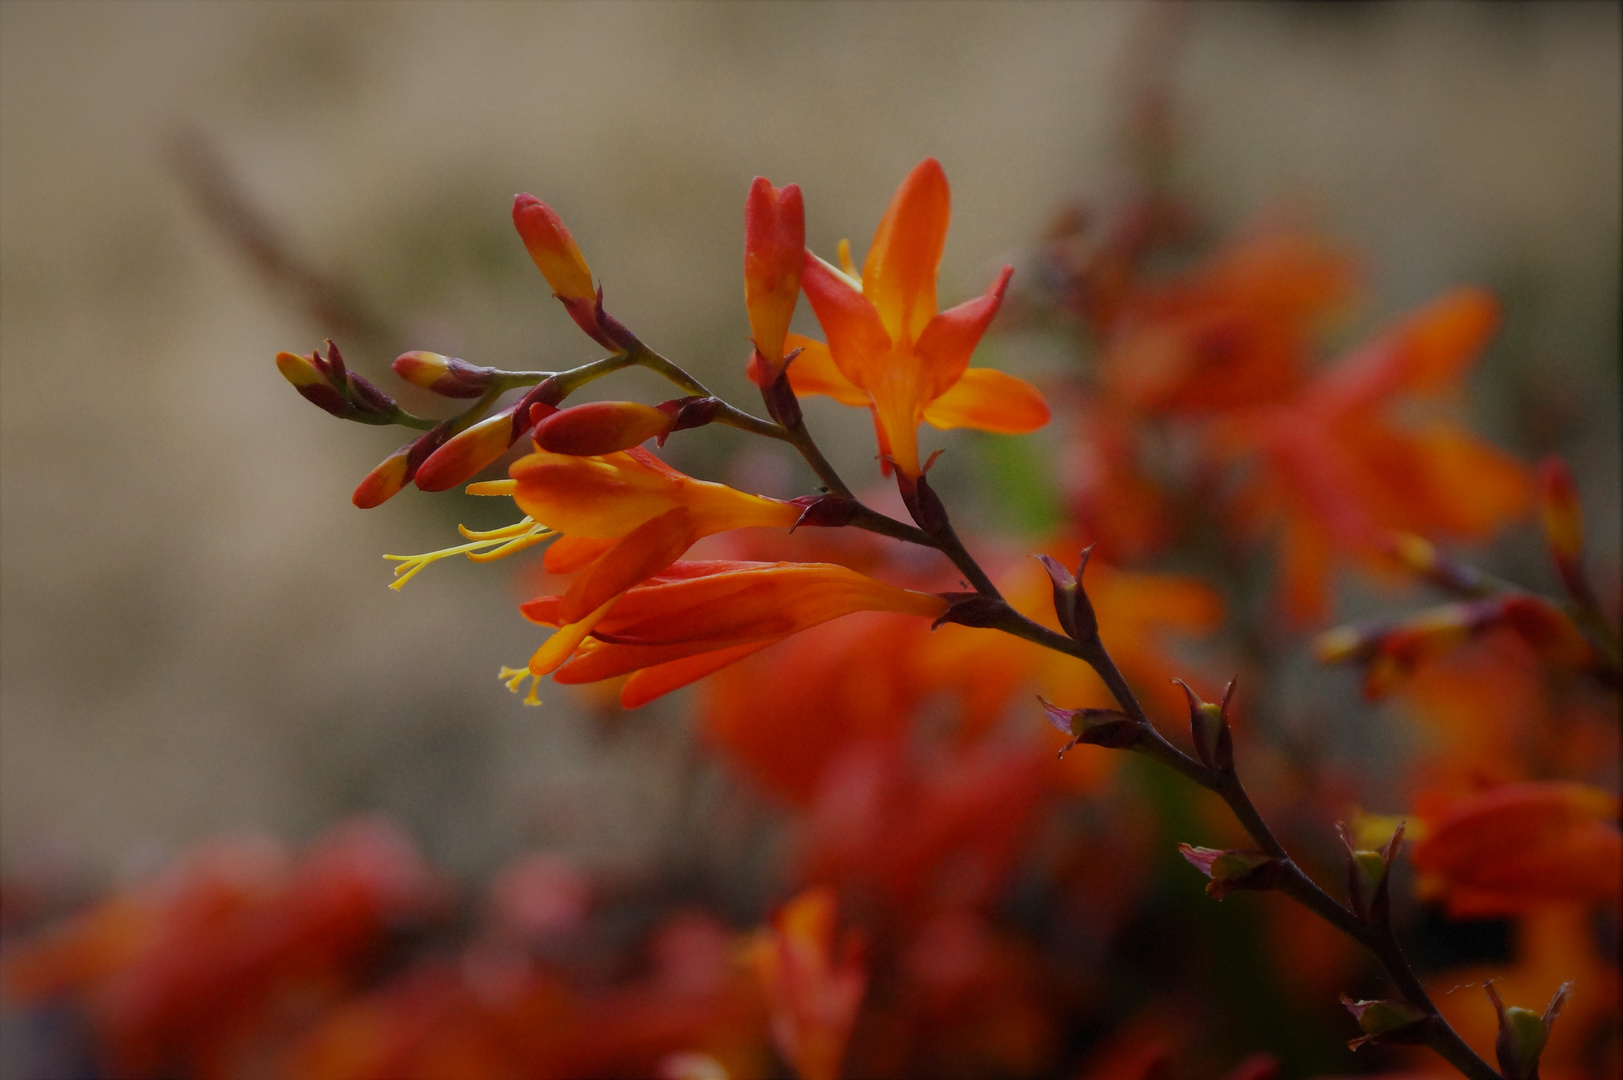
(195, 636)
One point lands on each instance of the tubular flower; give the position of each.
(694, 618)
(625, 517)
(891, 350)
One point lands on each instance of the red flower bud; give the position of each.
(602, 427)
(774, 251)
(444, 375)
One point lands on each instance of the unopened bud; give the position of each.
(1387, 1022)
(553, 250)
(1523, 1033)
(466, 452)
(312, 384)
(1096, 727)
(444, 375)
(1231, 871)
(602, 427)
(1209, 728)
(774, 251)
(398, 469)
(560, 261)
(327, 383)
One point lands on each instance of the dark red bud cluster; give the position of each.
(326, 382)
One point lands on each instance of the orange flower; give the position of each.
(695, 618)
(888, 347)
(1340, 475)
(1519, 846)
(624, 517)
(813, 999)
(1237, 331)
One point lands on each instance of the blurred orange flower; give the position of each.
(812, 995)
(1519, 846)
(1339, 474)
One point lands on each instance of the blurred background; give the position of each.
(195, 634)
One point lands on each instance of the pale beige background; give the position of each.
(196, 633)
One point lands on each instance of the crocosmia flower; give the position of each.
(624, 517)
(891, 350)
(694, 618)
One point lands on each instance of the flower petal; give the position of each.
(900, 271)
(642, 553)
(653, 682)
(857, 338)
(948, 339)
(569, 553)
(813, 371)
(989, 400)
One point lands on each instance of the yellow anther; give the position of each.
(492, 487)
(514, 678)
(505, 541)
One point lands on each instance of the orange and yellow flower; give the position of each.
(691, 619)
(889, 348)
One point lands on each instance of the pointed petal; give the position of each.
(900, 270)
(653, 682)
(989, 400)
(950, 337)
(813, 371)
(857, 338)
(1427, 353)
(640, 554)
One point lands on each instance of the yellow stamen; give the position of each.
(847, 265)
(504, 541)
(492, 487)
(514, 678)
